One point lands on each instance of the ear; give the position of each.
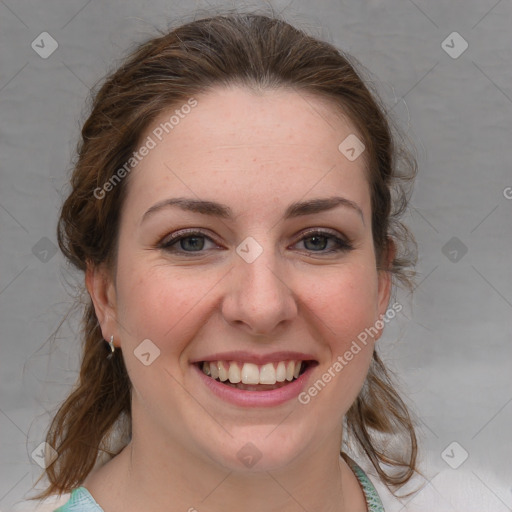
(384, 281)
(101, 288)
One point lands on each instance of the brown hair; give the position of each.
(230, 49)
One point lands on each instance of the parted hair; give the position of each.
(234, 48)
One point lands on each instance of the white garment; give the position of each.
(449, 491)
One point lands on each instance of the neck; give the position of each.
(155, 475)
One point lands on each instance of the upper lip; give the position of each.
(251, 357)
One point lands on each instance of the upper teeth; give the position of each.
(250, 373)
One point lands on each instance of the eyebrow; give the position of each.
(297, 209)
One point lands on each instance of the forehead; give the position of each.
(238, 145)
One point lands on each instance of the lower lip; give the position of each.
(256, 398)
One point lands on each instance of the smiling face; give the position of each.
(276, 263)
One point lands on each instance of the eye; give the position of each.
(189, 241)
(318, 241)
(193, 242)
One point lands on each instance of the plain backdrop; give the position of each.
(443, 70)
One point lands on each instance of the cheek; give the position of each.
(345, 301)
(165, 308)
(343, 305)
(165, 305)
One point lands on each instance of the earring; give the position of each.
(112, 348)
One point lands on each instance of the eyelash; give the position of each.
(169, 243)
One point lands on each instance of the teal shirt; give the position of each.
(82, 501)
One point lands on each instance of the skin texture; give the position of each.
(256, 152)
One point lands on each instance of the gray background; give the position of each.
(451, 349)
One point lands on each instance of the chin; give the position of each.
(260, 448)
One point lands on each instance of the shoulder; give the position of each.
(79, 500)
(447, 491)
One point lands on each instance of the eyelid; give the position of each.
(337, 236)
(176, 236)
(323, 231)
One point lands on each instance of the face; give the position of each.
(266, 259)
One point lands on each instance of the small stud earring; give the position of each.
(112, 347)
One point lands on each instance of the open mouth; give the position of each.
(253, 377)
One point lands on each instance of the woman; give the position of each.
(234, 209)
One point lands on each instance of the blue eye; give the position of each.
(186, 242)
(319, 241)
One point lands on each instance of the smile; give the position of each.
(255, 385)
(253, 377)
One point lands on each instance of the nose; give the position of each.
(259, 299)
